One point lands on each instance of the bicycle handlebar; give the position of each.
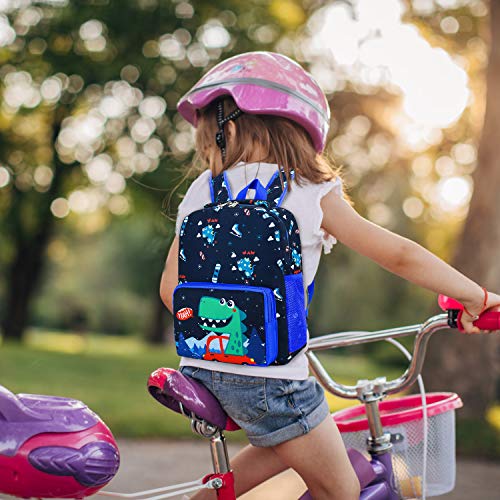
(332, 341)
(489, 320)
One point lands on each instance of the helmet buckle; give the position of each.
(220, 139)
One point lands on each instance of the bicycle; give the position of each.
(387, 441)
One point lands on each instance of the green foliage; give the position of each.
(356, 294)
(477, 438)
(109, 374)
(113, 385)
(117, 294)
(75, 81)
(104, 265)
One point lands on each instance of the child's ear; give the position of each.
(231, 129)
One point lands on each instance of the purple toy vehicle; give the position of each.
(53, 447)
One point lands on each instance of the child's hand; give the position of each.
(493, 303)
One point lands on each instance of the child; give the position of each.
(254, 112)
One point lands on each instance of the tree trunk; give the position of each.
(24, 272)
(159, 330)
(23, 277)
(468, 364)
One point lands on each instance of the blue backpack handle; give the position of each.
(220, 191)
(276, 189)
(274, 192)
(260, 191)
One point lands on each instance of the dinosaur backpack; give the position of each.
(241, 297)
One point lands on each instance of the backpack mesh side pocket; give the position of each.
(295, 312)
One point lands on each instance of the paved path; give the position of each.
(149, 464)
(153, 464)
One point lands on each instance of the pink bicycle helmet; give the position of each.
(261, 83)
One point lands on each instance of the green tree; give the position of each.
(469, 364)
(89, 91)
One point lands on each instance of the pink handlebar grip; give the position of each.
(489, 320)
(446, 303)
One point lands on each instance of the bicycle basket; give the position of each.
(403, 418)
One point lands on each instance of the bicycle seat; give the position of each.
(184, 395)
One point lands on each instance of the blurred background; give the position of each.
(94, 160)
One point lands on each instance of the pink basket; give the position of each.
(404, 417)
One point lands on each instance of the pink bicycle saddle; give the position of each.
(176, 391)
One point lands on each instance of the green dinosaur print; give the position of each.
(223, 317)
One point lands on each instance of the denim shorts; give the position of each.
(269, 410)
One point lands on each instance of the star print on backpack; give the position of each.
(240, 297)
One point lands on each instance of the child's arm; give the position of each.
(169, 278)
(402, 256)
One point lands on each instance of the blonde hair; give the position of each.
(283, 142)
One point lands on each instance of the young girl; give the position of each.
(254, 112)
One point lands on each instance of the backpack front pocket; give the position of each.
(226, 323)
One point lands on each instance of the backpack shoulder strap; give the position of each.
(277, 187)
(220, 190)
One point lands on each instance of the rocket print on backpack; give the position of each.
(240, 297)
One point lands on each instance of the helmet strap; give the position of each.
(220, 137)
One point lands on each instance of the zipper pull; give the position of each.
(218, 206)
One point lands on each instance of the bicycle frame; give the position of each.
(370, 392)
(376, 476)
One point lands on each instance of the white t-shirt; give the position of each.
(304, 202)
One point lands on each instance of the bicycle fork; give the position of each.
(382, 483)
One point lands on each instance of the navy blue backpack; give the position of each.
(241, 297)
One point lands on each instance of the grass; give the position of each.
(476, 438)
(112, 383)
(109, 374)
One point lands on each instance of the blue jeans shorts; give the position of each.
(269, 410)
